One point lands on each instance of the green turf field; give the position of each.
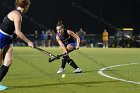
(32, 73)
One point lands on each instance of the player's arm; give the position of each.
(17, 22)
(60, 43)
(71, 33)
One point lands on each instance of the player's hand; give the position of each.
(65, 51)
(30, 44)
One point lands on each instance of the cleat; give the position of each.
(61, 70)
(78, 70)
(2, 87)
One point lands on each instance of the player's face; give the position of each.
(59, 29)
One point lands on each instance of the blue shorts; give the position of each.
(72, 44)
(4, 40)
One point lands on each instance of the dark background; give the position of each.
(45, 14)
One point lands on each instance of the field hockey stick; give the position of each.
(59, 56)
(45, 52)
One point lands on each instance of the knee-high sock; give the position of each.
(72, 63)
(3, 71)
(64, 61)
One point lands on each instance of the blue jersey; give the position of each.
(43, 36)
(67, 39)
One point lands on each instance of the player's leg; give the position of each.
(106, 43)
(63, 64)
(8, 54)
(71, 47)
(2, 87)
(7, 61)
(67, 59)
(1, 56)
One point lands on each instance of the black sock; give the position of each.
(72, 63)
(63, 63)
(3, 71)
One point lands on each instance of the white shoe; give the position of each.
(2, 87)
(61, 70)
(78, 70)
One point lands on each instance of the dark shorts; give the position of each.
(4, 40)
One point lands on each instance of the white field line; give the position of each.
(105, 75)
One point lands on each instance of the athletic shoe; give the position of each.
(2, 87)
(61, 70)
(78, 70)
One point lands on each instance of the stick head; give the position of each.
(54, 58)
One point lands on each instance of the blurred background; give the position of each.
(99, 15)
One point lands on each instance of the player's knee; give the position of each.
(8, 62)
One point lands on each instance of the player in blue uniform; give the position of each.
(68, 41)
(11, 24)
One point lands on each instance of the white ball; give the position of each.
(63, 75)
